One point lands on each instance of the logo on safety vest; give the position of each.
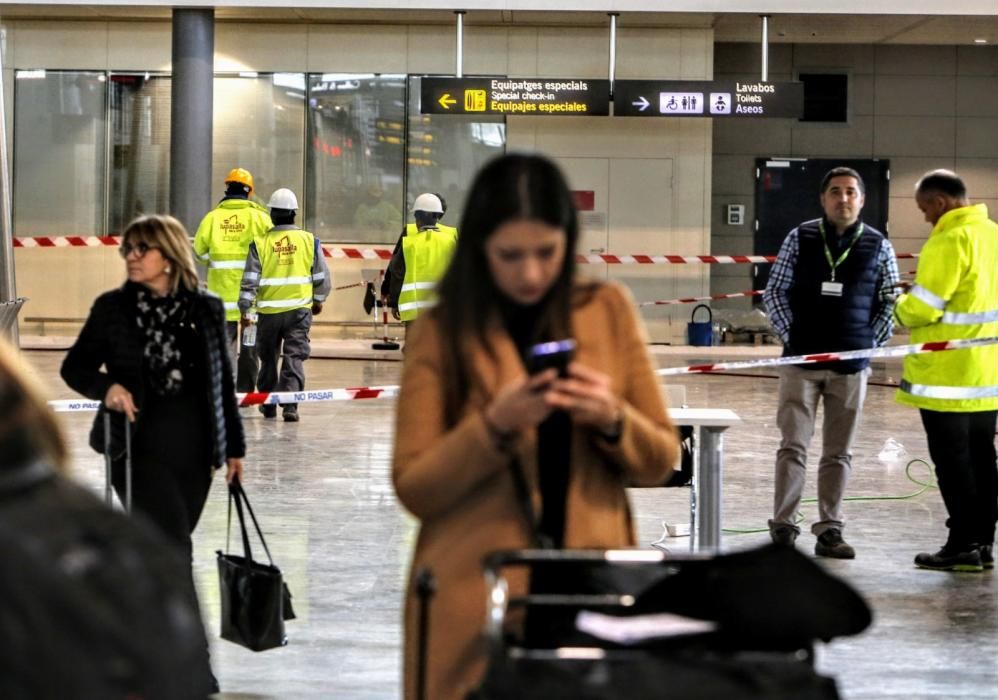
(284, 246)
(232, 228)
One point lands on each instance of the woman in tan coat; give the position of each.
(469, 414)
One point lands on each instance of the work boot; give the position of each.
(947, 559)
(830, 544)
(783, 535)
(290, 414)
(987, 556)
(268, 411)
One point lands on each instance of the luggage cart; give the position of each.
(705, 664)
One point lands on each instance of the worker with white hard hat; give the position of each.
(420, 258)
(286, 276)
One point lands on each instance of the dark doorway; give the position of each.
(786, 194)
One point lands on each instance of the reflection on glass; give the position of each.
(445, 152)
(259, 125)
(355, 156)
(140, 147)
(59, 127)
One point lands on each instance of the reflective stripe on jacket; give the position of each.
(222, 242)
(427, 254)
(955, 296)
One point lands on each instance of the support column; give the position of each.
(8, 284)
(191, 115)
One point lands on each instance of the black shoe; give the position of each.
(268, 411)
(291, 414)
(783, 535)
(952, 560)
(830, 544)
(987, 556)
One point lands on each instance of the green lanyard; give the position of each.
(845, 254)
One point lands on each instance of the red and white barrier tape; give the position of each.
(891, 351)
(260, 398)
(712, 297)
(274, 398)
(343, 253)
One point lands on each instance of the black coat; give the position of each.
(111, 338)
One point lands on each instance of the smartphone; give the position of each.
(556, 354)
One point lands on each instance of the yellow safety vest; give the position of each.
(427, 254)
(411, 229)
(222, 241)
(286, 257)
(955, 296)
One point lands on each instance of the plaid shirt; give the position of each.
(776, 298)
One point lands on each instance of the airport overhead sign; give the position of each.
(545, 97)
(693, 98)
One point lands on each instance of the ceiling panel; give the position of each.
(832, 28)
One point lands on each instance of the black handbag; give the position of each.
(255, 599)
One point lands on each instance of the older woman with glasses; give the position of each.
(161, 342)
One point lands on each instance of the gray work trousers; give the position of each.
(283, 335)
(800, 390)
(243, 358)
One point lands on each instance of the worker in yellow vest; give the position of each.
(287, 278)
(420, 258)
(222, 242)
(955, 297)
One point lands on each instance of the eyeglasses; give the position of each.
(140, 249)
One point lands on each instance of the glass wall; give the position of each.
(445, 152)
(140, 147)
(259, 125)
(356, 157)
(59, 151)
(344, 143)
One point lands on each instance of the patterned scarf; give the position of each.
(159, 318)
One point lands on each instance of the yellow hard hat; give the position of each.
(241, 176)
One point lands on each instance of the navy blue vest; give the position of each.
(823, 323)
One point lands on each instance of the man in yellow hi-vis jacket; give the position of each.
(287, 277)
(955, 296)
(421, 256)
(222, 242)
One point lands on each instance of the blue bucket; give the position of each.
(701, 333)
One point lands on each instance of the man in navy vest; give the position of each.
(831, 289)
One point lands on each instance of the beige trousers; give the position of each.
(800, 391)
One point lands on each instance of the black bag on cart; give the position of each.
(767, 607)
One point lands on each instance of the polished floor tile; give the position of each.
(323, 493)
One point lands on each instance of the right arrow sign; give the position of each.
(704, 98)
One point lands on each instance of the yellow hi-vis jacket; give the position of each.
(427, 254)
(955, 296)
(285, 271)
(222, 241)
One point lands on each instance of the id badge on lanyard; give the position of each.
(833, 288)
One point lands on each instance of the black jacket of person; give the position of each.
(111, 338)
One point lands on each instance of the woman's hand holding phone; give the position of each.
(587, 395)
(521, 404)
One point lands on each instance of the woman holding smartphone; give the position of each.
(475, 430)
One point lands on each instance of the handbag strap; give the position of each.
(236, 487)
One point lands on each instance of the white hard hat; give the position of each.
(283, 199)
(428, 202)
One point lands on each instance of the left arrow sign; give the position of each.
(446, 100)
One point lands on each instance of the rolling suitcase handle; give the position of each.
(108, 488)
